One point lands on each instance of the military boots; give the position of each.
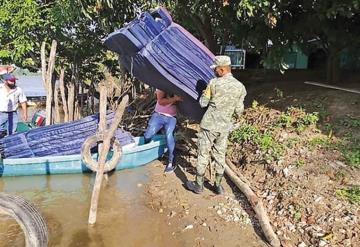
(196, 186)
(217, 186)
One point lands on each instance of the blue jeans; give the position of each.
(157, 122)
(8, 122)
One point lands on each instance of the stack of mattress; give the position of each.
(57, 139)
(163, 54)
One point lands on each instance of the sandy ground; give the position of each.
(196, 220)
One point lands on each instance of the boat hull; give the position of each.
(133, 155)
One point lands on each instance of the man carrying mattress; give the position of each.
(223, 96)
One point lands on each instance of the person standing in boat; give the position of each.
(10, 97)
(164, 116)
(223, 96)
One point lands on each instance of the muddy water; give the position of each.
(123, 217)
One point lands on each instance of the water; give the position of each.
(64, 200)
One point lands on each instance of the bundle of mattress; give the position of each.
(163, 54)
(57, 139)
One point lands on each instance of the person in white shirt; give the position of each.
(10, 97)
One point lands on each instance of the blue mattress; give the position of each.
(57, 139)
(163, 54)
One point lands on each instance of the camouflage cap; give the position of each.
(221, 61)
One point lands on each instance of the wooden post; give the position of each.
(71, 99)
(256, 204)
(105, 148)
(49, 82)
(43, 64)
(63, 97)
(56, 101)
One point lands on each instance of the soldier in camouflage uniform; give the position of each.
(223, 96)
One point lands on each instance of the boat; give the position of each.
(133, 155)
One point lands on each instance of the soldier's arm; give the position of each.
(206, 96)
(240, 105)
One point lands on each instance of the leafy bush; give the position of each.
(297, 118)
(352, 194)
(265, 141)
(245, 133)
(351, 152)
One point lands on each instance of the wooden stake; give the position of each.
(256, 204)
(71, 99)
(43, 64)
(63, 96)
(104, 151)
(49, 83)
(56, 101)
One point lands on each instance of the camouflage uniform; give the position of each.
(223, 96)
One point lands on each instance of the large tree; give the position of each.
(333, 24)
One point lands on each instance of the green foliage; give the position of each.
(285, 120)
(320, 109)
(292, 142)
(246, 133)
(21, 25)
(265, 141)
(352, 194)
(323, 142)
(307, 120)
(279, 93)
(254, 104)
(350, 122)
(300, 162)
(287, 22)
(297, 118)
(351, 152)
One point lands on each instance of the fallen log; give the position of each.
(256, 204)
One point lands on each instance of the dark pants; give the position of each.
(8, 122)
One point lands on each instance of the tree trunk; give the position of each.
(77, 112)
(256, 204)
(50, 82)
(71, 99)
(56, 101)
(43, 64)
(63, 96)
(333, 66)
(203, 25)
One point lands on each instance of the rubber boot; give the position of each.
(218, 187)
(196, 186)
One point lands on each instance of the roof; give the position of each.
(32, 85)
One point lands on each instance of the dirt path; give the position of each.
(201, 220)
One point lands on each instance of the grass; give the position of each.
(351, 153)
(292, 142)
(350, 122)
(300, 163)
(351, 194)
(297, 118)
(323, 142)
